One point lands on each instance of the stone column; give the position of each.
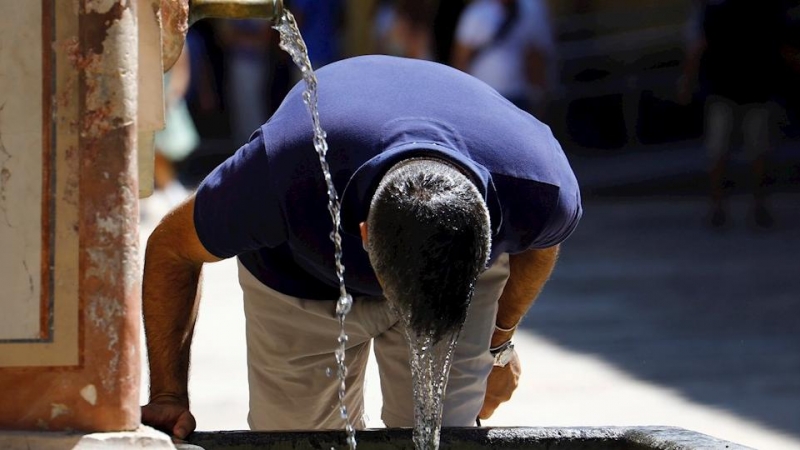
(69, 304)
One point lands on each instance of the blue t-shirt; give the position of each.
(268, 202)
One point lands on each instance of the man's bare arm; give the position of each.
(529, 271)
(173, 262)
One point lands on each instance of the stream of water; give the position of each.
(430, 362)
(430, 368)
(292, 42)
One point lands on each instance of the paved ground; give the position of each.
(709, 319)
(650, 319)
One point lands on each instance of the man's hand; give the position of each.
(502, 382)
(170, 415)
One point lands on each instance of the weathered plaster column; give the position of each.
(69, 303)
(108, 221)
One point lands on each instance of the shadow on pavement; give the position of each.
(645, 285)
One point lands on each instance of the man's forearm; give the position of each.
(170, 301)
(529, 271)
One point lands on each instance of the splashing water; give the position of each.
(292, 42)
(430, 368)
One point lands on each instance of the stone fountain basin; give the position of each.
(518, 438)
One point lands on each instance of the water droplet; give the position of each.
(339, 354)
(344, 305)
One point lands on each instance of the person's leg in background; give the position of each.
(719, 122)
(756, 129)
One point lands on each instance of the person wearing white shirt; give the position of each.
(509, 45)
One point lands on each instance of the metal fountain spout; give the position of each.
(235, 9)
(162, 28)
(178, 15)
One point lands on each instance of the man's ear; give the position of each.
(364, 234)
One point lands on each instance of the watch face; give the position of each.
(502, 358)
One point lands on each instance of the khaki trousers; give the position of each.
(290, 350)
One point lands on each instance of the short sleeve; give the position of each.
(563, 220)
(567, 211)
(236, 207)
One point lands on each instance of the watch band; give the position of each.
(499, 349)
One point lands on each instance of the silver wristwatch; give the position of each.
(502, 353)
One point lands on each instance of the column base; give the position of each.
(143, 437)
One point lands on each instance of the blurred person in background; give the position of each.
(179, 137)
(202, 96)
(733, 55)
(320, 24)
(404, 28)
(247, 47)
(509, 44)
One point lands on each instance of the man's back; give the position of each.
(374, 103)
(377, 110)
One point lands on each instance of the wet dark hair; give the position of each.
(429, 239)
